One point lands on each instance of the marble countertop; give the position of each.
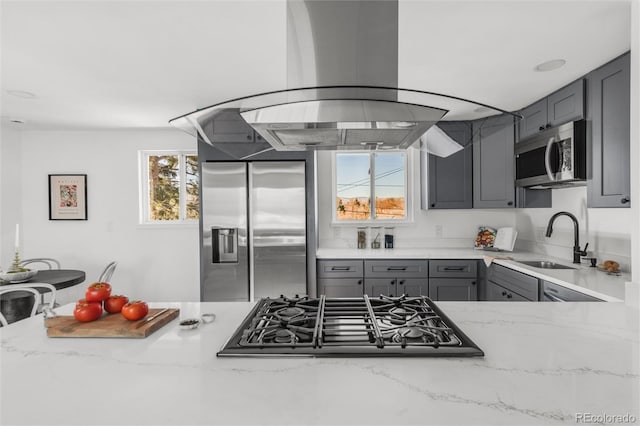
(544, 363)
(583, 278)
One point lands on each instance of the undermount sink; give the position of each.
(544, 264)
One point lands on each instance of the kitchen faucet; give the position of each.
(576, 239)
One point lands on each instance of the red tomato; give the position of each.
(97, 292)
(87, 311)
(114, 304)
(135, 310)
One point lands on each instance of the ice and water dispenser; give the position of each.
(225, 245)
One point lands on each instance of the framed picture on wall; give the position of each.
(68, 197)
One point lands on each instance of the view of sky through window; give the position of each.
(354, 191)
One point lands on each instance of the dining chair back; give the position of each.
(51, 263)
(29, 288)
(105, 277)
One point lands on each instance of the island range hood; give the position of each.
(342, 88)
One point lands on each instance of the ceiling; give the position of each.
(137, 64)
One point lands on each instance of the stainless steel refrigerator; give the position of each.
(253, 230)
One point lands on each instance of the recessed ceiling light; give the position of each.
(17, 121)
(21, 94)
(551, 65)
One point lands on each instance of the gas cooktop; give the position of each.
(343, 327)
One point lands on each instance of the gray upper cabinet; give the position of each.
(493, 162)
(562, 106)
(608, 183)
(450, 179)
(534, 119)
(230, 127)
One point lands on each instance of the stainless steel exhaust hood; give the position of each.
(342, 87)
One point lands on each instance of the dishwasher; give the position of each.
(556, 293)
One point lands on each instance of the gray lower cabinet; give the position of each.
(396, 277)
(552, 292)
(504, 284)
(453, 279)
(341, 287)
(340, 277)
(497, 293)
(448, 182)
(562, 106)
(453, 289)
(394, 287)
(494, 162)
(608, 183)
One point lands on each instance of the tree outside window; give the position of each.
(171, 187)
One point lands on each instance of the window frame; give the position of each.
(408, 184)
(144, 207)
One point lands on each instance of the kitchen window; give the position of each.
(370, 186)
(169, 187)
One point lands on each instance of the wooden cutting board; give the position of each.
(110, 325)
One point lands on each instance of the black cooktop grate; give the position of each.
(384, 326)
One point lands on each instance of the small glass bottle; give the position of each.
(362, 237)
(388, 237)
(376, 235)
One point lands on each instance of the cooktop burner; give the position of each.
(384, 326)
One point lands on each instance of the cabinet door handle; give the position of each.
(625, 200)
(454, 268)
(510, 203)
(341, 268)
(401, 282)
(504, 293)
(433, 204)
(509, 296)
(392, 282)
(541, 128)
(397, 268)
(473, 283)
(249, 137)
(359, 282)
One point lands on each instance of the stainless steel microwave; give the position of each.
(555, 157)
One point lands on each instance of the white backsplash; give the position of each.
(606, 230)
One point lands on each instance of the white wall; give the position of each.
(154, 263)
(10, 205)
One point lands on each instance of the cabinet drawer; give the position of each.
(446, 268)
(517, 282)
(349, 268)
(396, 268)
(552, 292)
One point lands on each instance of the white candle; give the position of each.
(17, 237)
